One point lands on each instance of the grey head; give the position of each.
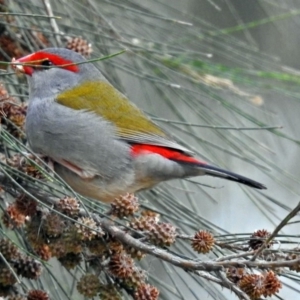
(54, 70)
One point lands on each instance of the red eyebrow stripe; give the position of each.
(55, 59)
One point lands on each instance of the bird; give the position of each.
(101, 144)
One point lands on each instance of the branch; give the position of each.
(189, 264)
(53, 21)
(195, 266)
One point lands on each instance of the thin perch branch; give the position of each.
(53, 22)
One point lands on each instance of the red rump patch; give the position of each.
(38, 57)
(172, 154)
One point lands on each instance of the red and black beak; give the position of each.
(23, 65)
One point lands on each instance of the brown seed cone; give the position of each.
(26, 166)
(12, 217)
(27, 267)
(143, 223)
(78, 44)
(18, 120)
(54, 225)
(134, 253)
(121, 265)
(115, 246)
(90, 232)
(125, 206)
(34, 234)
(163, 234)
(88, 285)
(9, 250)
(18, 114)
(146, 292)
(235, 274)
(69, 206)
(151, 214)
(12, 112)
(26, 205)
(72, 240)
(253, 285)
(295, 267)
(31, 169)
(258, 238)
(7, 277)
(43, 252)
(203, 241)
(137, 278)
(37, 295)
(58, 248)
(98, 247)
(109, 292)
(70, 260)
(272, 284)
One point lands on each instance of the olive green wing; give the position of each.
(130, 122)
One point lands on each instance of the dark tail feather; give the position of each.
(217, 172)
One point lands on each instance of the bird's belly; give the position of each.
(97, 187)
(103, 190)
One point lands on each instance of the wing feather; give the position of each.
(156, 140)
(132, 125)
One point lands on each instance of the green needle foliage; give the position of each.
(215, 92)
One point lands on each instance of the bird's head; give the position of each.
(53, 70)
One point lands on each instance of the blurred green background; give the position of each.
(221, 76)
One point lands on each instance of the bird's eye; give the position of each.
(46, 63)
